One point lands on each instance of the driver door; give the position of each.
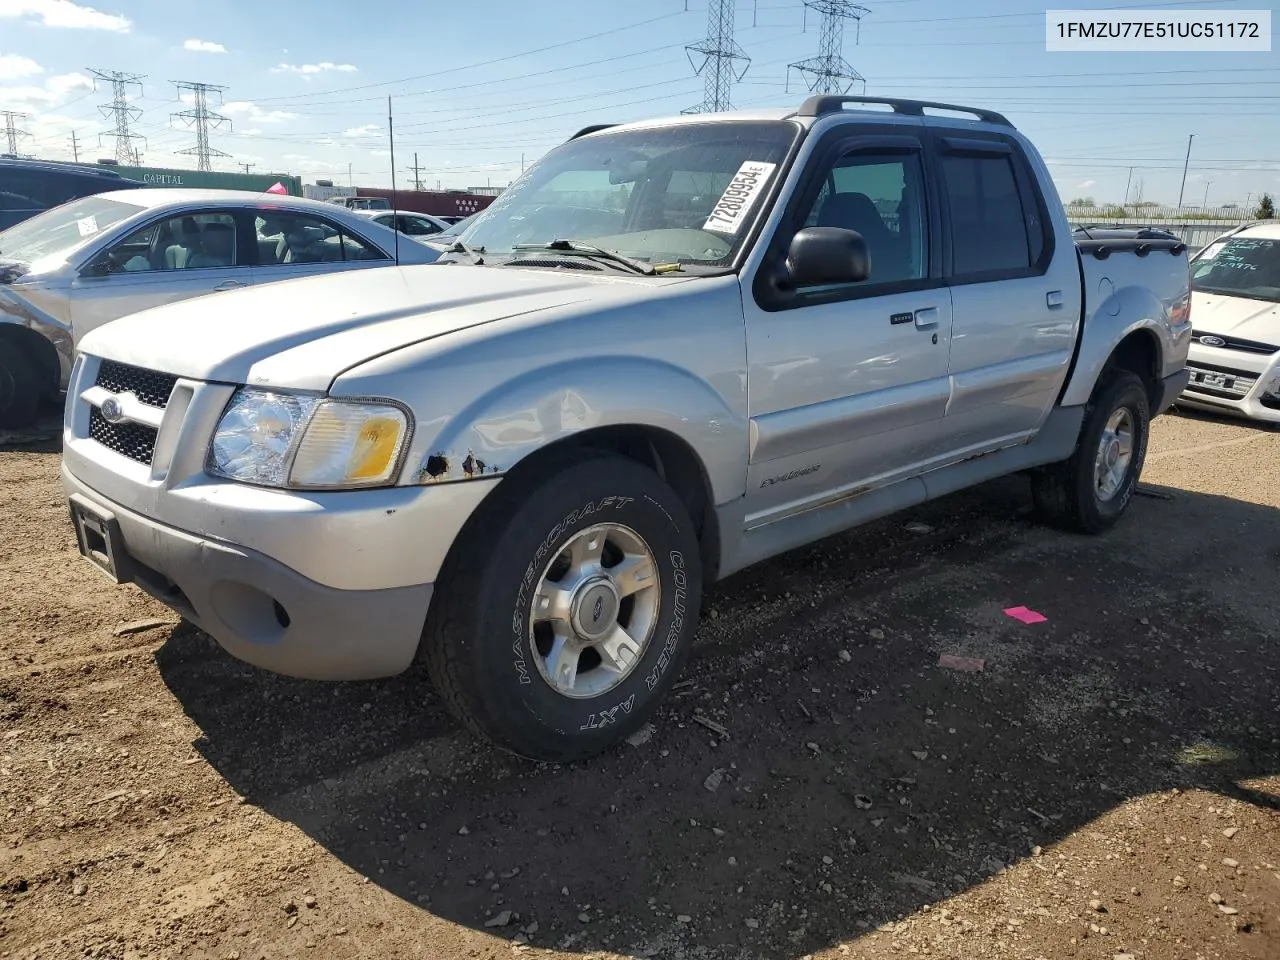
(848, 382)
(175, 257)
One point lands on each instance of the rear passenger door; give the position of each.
(293, 245)
(1015, 296)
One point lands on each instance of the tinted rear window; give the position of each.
(988, 223)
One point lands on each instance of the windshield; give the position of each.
(686, 193)
(60, 230)
(1241, 267)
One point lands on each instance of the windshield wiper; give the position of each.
(587, 250)
(476, 255)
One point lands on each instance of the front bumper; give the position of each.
(261, 610)
(1232, 382)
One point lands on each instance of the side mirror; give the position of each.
(99, 267)
(827, 255)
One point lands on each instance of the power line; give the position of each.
(11, 131)
(720, 58)
(119, 108)
(200, 117)
(829, 71)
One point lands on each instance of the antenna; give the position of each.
(720, 56)
(200, 117)
(119, 109)
(395, 203)
(829, 71)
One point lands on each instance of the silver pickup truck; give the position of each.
(670, 350)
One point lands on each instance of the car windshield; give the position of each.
(60, 230)
(1241, 267)
(685, 193)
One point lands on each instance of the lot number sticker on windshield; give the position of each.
(734, 205)
(87, 226)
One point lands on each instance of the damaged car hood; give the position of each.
(303, 333)
(1247, 319)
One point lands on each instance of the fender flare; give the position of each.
(515, 419)
(1127, 311)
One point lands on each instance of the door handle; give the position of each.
(228, 285)
(1054, 299)
(927, 319)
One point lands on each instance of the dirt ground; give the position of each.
(1107, 785)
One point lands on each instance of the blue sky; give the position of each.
(479, 86)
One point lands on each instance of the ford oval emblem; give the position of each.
(1213, 341)
(111, 410)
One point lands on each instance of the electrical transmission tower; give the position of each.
(120, 110)
(829, 71)
(11, 131)
(720, 58)
(200, 118)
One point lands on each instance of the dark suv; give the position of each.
(28, 187)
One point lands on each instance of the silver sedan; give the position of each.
(93, 260)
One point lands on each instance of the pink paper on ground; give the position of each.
(1025, 615)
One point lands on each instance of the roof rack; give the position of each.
(821, 105)
(594, 128)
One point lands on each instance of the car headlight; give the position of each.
(294, 440)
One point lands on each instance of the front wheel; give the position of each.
(1089, 491)
(20, 388)
(568, 608)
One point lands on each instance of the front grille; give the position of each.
(148, 386)
(133, 440)
(1226, 384)
(1235, 343)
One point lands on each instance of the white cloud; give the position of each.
(53, 91)
(13, 67)
(309, 69)
(368, 130)
(251, 111)
(1086, 184)
(65, 14)
(203, 46)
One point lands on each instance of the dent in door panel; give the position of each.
(1005, 382)
(831, 422)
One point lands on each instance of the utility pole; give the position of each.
(829, 71)
(200, 117)
(350, 182)
(1207, 185)
(75, 147)
(247, 166)
(1186, 163)
(417, 173)
(720, 58)
(120, 112)
(1126, 187)
(11, 131)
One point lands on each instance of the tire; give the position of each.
(496, 664)
(20, 393)
(1069, 495)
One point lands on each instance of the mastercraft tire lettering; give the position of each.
(568, 608)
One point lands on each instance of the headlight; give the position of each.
(290, 440)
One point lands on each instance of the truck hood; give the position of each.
(303, 333)
(1239, 317)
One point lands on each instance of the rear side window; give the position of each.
(995, 227)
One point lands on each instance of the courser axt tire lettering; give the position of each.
(567, 608)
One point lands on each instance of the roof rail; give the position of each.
(823, 104)
(594, 128)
